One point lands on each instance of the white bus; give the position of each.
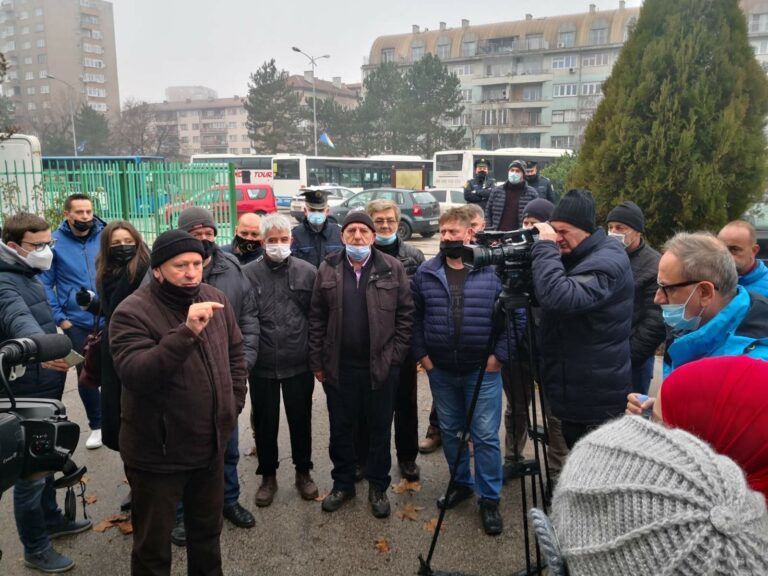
(454, 167)
(295, 171)
(249, 168)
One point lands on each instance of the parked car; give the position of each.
(419, 211)
(757, 215)
(448, 197)
(255, 198)
(336, 195)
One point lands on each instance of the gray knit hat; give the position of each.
(638, 498)
(196, 217)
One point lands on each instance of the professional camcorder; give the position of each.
(36, 438)
(509, 251)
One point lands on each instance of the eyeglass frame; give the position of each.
(665, 287)
(40, 246)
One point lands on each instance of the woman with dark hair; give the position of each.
(122, 262)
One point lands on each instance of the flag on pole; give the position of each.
(325, 139)
(81, 146)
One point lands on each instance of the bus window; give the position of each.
(449, 162)
(286, 169)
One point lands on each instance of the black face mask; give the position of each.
(246, 246)
(481, 177)
(181, 294)
(83, 226)
(208, 248)
(122, 254)
(451, 248)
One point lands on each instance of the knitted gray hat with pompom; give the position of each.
(638, 498)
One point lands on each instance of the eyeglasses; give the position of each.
(40, 246)
(665, 287)
(382, 221)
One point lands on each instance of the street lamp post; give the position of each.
(313, 60)
(71, 110)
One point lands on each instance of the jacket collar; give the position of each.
(98, 226)
(587, 246)
(380, 266)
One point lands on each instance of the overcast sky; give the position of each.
(218, 43)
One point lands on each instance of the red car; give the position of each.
(256, 198)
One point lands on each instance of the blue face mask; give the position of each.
(358, 253)
(316, 218)
(386, 240)
(674, 317)
(514, 177)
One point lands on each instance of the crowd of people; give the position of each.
(190, 327)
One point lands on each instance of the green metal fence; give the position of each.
(149, 195)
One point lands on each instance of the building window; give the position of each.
(245, 138)
(98, 106)
(93, 63)
(592, 89)
(534, 41)
(39, 27)
(13, 75)
(97, 78)
(31, 91)
(96, 92)
(597, 59)
(10, 45)
(23, 15)
(184, 140)
(233, 111)
(231, 124)
(563, 141)
(758, 22)
(88, 19)
(92, 48)
(42, 74)
(462, 70)
(232, 137)
(466, 95)
(417, 53)
(598, 36)
(45, 89)
(562, 116)
(494, 117)
(40, 43)
(497, 45)
(563, 90)
(387, 55)
(25, 30)
(38, 11)
(195, 139)
(760, 47)
(26, 46)
(443, 51)
(195, 126)
(532, 93)
(566, 39)
(469, 48)
(31, 106)
(564, 62)
(27, 60)
(42, 58)
(29, 76)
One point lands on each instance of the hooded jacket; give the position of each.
(756, 280)
(24, 312)
(74, 267)
(498, 201)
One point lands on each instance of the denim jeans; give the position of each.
(35, 509)
(642, 375)
(91, 397)
(452, 394)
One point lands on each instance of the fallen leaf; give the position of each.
(431, 525)
(114, 520)
(251, 452)
(102, 526)
(84, 479)
(409, 512)
(405, 486)
(321, 497)
(125, 527)
(382, 546)
(91, 499)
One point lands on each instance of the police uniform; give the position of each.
(477, 189)
(541, 184)
(312, 243)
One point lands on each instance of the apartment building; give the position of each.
(344, 94)
(60, 53)
(534, 82)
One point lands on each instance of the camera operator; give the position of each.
(454, 318)
(583, 283)
(25, 251)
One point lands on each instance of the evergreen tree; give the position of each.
(341, 125)
(680, 129)
(433, 98)
(92, 131)
(382, 116)
(274, 113)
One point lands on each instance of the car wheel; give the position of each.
(404, 231)
(260, 213)
(427, 234)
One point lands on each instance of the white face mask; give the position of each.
(41, 260)
(277, 252)
(620, 237)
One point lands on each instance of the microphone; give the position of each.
(37, 348)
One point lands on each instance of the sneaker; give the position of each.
(306, 486)
(94, 440)
(379, 502)
(239, 516)
(68, 527)
(335, 499)
(490, 515)
(179, 534)
(458, 494)
(266, 492)
(431, 442)
(48, 561)
(410, 471)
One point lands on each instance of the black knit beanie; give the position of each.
(172, 243)
(577, 208)
(628, 213)
(360, 217)
(196, 217)
(539, 208)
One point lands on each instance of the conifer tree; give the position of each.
(680, 129)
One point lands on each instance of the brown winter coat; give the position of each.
(181, 392)
(390, 317)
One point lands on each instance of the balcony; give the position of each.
(523, 46)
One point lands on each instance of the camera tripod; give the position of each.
(529, 471)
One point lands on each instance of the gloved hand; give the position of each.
(84, 297)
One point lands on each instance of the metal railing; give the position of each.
(149, 195)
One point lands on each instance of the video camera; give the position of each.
(509, 251)
(36, 438)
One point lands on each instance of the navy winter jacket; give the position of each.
(312, 246)
(433, 324)
(586, 299)
(74, 267)
(24, 312)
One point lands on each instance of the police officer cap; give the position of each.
(531, 164)
(315, 198)
(480, 161)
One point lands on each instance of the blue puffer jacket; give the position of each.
(312, 246)
(741, 328)
(586, 300)
(74, 267)
(24, 311)
(433, 324)
(757, 280)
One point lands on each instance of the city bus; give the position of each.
(249, 168)
(295, 171)
(454, 167)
